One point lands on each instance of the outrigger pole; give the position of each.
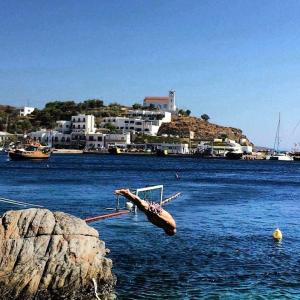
(123, 212)
(101, 217)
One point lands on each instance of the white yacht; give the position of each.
(281, 156)
(277, 155)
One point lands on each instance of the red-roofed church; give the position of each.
(163, 103)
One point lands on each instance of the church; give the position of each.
(163, 103)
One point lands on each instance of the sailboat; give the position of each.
(277, 155)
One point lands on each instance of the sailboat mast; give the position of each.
(277, 139)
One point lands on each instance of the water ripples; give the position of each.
(225, 217)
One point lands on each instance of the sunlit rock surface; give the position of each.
(52, 255)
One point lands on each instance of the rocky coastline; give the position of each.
(52, 255)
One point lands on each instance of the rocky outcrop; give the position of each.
(52, 255)
(203, 130)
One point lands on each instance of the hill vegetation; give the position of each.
(11, 121)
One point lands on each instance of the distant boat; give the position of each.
(114, 150)
(296, 156)
(161, 152)
(235, 154)
(281, 156)
(277, 155)
(31, 151)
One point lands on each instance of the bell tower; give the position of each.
(172, 103)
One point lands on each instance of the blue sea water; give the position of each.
(228, 210)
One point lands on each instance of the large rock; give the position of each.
(52, 255)
(182, 126)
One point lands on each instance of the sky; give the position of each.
(237, 61)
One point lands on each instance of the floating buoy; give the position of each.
(277, 235)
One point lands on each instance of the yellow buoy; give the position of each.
(277, 235)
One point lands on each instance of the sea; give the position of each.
(225, 217)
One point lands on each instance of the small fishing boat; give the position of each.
(31, 151)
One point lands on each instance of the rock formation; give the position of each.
(52, 255)
(203, 130)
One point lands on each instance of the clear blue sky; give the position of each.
(237, 61)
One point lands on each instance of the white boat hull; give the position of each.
(281, 157)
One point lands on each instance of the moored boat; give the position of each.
(296, 156)
(278, 155)
(32, 151)
(161, 152)
(236, 154)
(281, 156)
(114, 150)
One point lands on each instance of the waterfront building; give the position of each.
(26, 110)
(81, 126)
(163, 103)
(94, 140)
(100, 140)
(173, 148)
(4, 136)
(64, 126)
(52, 138)
(83, 123)
(115, 139)
(139, 121)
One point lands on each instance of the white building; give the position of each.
(162, 103)
(125, 124)
(139, 121)
(64, 126)
(94, 140)
(99, 140)
(174, 148)
(150, 115)
(4, 136)
(67, 133)
(51, 138)
(26, 110)
(83, 124)
(115, 139)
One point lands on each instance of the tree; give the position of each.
(114, 104)
(136, 106)
(205, 117)
(91, 104)
(112, 128)
(223, 136)
(184, 113)
(151, 107)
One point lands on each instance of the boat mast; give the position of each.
(277, 139)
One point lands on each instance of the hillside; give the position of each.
(203, 130)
